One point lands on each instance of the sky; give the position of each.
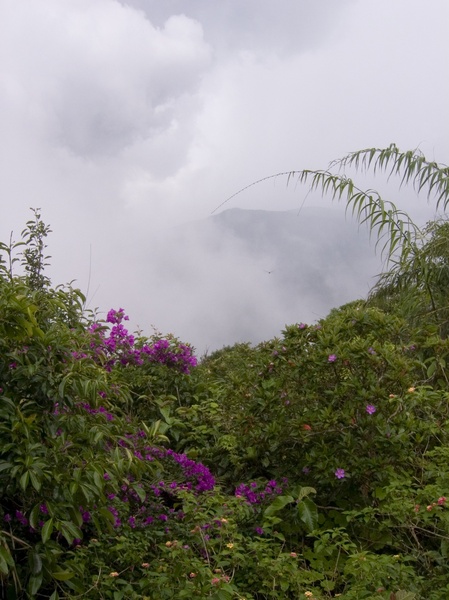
(127, 120)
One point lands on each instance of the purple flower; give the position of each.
(340, 474)
(370, 409)
(371, 351)
(21, 518)
(259, 530)
(331, 358)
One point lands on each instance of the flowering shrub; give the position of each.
(119, 347)
(311, 466)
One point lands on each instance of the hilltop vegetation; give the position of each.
(314, 465)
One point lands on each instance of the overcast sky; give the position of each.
(123, 120)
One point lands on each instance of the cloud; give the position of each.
(97, 76)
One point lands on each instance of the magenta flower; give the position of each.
(331, 358)
(340, 474)
(370, 409)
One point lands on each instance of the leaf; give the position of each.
(305, 491)
(403, 595)
(6, 555)
(47, 530)
(277, 505)
(35, 562)
(34, 516)
(3, 565)
(24, 480)
(34, 583)
(62, 575)
(308, 514)
(35, 481)
(69, 531)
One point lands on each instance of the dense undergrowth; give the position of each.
(314, 465)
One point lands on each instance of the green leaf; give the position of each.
(47, 530)
(24, 480)
(62, 575)
(34, 516)
(277, 505)
(35, 562)
(5, 554)
(69, 531)
(305, 491)
(35, 481)
(3, 565)
(308, 514)
(403, 595)
(34, 583)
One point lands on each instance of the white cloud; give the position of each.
(97, 76)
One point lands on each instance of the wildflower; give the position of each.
(192, 575)
(113, 574)
(429, 508)
(370, 409)
(145, 565)
(306, 427)
(21, 518)
(441, 500)
(215, 581)
(259, 530)
(308, 594)
(416, 508)
(371, 351)
(340, 474)
(411, 390)
(293, 554)
(392, 396)
(230, 545)
(331, 358)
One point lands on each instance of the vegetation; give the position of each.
(312, 466)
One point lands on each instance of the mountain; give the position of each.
(242, 275)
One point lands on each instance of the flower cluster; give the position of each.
(253, 494)
(119, 347)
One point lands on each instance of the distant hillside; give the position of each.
(242, 275)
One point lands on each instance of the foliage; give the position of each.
(313, 466)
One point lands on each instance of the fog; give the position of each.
(129, 123)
